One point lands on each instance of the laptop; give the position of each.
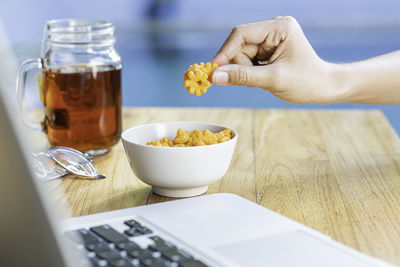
(210, 230)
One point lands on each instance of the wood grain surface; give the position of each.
(335, 171)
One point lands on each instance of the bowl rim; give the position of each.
(180, 148)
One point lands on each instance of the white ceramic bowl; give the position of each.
(177, 171)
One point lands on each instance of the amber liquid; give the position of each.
(82, 106)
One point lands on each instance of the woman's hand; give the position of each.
(293, 73)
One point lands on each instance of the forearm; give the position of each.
(372, 81)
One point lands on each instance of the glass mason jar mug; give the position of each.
(80, 85)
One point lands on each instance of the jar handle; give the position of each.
(24, 68)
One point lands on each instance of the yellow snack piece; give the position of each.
(227, 132)
(198, 77)
(223, 139)
(194, 138)
(197, 139)
(154, 143)
(179, 145)
(181, 137)
(197, 82)
(166, 142)
(209, 138)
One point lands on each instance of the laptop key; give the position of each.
(177, 255)
(162, 246)
(109, 255)
(141, 254)
(133, 232)
(109, 234)
(81, 236)
(120, 263)
(192, 263)
(131, 223)
(156, 238)
(154, 262)
(97, 247)
(128, 246)
(143, 229)
(97, 262)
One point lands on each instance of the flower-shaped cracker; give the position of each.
(196, 81)
(198, 78)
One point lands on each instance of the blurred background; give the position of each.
(159, 39)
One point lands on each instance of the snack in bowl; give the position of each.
(178, 171)
(194, 138)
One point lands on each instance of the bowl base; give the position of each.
(188, 192)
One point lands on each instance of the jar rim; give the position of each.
(79, 32)
(76, 26)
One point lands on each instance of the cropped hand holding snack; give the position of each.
(195, 138)
(198, 78)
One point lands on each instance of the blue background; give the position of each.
(157, 40)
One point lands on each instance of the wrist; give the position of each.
(338, 88)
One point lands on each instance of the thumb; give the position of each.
(233, 74)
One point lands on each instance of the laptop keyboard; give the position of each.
(137, 246)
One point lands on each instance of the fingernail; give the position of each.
(220, 77)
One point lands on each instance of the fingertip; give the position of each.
(220, 77)
(220, 59)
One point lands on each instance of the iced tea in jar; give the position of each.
(80, 85)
